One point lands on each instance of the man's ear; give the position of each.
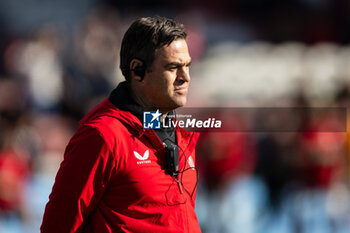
(138, 69)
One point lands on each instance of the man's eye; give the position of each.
(172, 68)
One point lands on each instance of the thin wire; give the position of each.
(184, 169)
(166, 197)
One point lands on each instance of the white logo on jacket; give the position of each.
(143, 159)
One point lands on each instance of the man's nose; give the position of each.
(184, 74)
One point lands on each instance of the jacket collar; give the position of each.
(121, 105)
(106, 108)
(121, 99)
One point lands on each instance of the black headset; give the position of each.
(140, 70)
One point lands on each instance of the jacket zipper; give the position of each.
(160, 145)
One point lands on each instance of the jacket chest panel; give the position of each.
(152, 186)
(142, 178)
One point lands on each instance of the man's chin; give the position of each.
(181, 102)
(175, 104)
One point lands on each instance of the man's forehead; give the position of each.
(177, 51)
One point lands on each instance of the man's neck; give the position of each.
(138, 99)
(163, 116)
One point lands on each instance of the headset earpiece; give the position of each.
(140, 71)
(140, 68)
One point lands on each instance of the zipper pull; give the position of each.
(180, 187)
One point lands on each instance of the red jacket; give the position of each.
(112, 179)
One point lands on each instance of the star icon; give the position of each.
(155, 115)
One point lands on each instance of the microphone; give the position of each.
(171, 159)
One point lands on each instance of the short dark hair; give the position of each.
(144, 37)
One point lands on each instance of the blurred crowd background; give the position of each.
(60, 58)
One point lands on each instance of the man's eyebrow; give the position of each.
(177, 64)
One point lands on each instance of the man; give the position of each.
(118, 176)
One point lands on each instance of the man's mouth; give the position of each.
(181, 90)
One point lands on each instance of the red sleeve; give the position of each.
(80, 182)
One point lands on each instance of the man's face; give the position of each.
(166, 84)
